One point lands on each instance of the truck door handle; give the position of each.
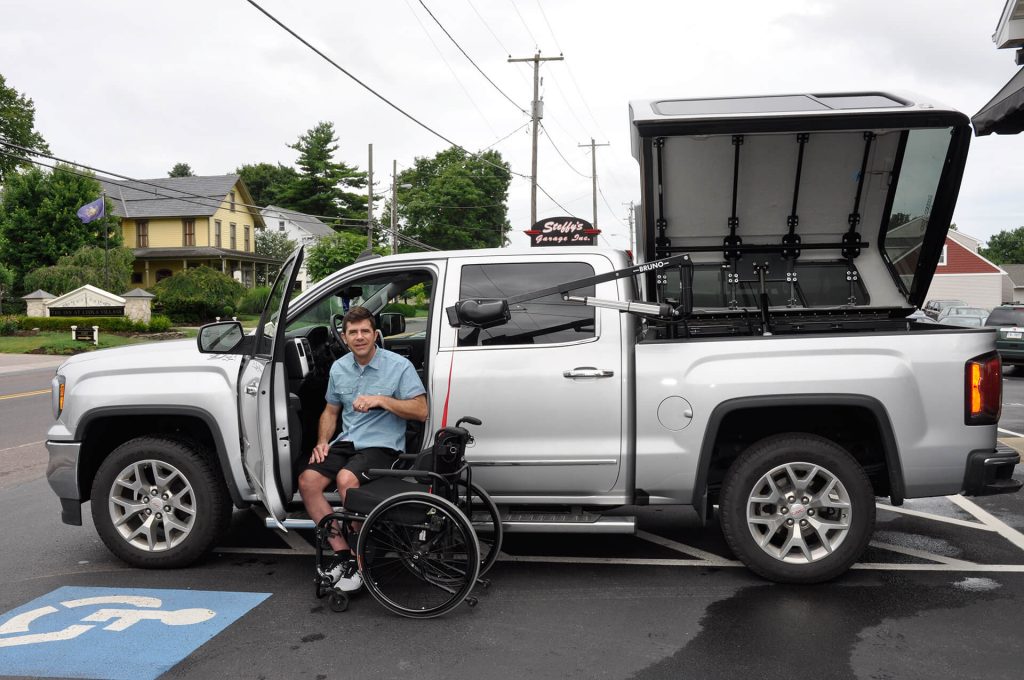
(252, 387)
(588, 372)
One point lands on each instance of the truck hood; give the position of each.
(164, 355)
(817, 181)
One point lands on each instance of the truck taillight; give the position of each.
(983, 390)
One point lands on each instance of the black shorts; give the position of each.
(344, 456)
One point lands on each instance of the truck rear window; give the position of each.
(544, 320)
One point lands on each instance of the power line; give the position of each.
(505, 137)
(536, 44)
(454, 42)
(388, 101)
(450, 69)
(559, 152)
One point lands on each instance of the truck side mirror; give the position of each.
(391, 323)
(224, 337)
(479, 313)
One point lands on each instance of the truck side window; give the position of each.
(544, 320)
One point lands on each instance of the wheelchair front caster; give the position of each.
(338, 602)
(323, 586)
(472, 601)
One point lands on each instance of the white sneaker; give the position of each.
(344, 575)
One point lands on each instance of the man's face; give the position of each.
(359, 336)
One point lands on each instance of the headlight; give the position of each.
(57, 395)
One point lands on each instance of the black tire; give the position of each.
(486, 519)
(418, 555)
(186, 481)
(338, 602)
(797, 508)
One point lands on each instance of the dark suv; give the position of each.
(1009, 342)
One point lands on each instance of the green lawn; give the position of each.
(61, 343)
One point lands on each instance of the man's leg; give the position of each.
(311, 488)
(346, 480)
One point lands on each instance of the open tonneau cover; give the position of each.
(803, 201)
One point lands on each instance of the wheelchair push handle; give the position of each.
(468, 419)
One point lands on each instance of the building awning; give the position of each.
(1004, 115)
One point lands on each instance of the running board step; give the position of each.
(566, 523)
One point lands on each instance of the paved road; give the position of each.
(938, 594)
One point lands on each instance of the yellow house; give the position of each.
(174, 223)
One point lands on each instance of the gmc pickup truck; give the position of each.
(755, 357)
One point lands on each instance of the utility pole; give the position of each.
(537, 112)
(369, 203)
(593, 171)
(394, 207)
(630, 217)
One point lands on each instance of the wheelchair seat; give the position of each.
(365, 498)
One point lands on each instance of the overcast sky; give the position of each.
(134, 86)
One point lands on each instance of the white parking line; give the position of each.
(997, 525)
(975, 568)
(638, 561)
(1010, 432)
(937, 518)
(683, 548)
(921, 554)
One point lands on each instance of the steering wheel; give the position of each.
(335, 329)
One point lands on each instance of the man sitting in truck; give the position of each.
(374, 391)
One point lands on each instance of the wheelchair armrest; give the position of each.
(419, 475)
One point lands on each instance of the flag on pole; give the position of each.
(92, 211)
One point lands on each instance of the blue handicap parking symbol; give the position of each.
(114, 633)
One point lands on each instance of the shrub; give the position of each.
(111, 324)
(199, 294)
(254, 300)
(159, 324)
(9, 325)
(400, 308)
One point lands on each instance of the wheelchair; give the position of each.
(424, 536)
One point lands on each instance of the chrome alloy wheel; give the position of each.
(799, 512)
(152, 505)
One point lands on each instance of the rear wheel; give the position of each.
(418, 555)
(797, 508)
(486, 519)
(159, 503)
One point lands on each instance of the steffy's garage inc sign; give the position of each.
(563, 231)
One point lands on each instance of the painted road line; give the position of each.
(298, 543)
(921, 554)
(937, 518)
(257, 551)
(996, 524)
(22, 446)
(24, 394)
(681, 547)
(626, 561)
(1010, 432)
(977, 568)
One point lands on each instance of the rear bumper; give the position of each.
(990, 471)
(1011, 356)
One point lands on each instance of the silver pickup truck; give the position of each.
(755, 358)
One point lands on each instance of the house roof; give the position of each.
(39, 294)
(199, 253)
(169, 196)
(138, 293)
(309, 223)
(1016, 273)
(962, 260)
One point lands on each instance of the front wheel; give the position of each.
(797, 508)
(159, 503)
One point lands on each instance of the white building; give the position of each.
(304, 229)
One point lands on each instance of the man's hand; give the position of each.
(320, 452)
(365, 402)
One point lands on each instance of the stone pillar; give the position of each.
(138, 305)
(36, 303)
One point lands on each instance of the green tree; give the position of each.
(6, 283)
(324, 186)
(1006, 247)
(272, 244)
(38, 220)
(181, 170)
(267, 182)
(198, 294)
(456, 201)
(17, 125)
(335, 252)
(110, 270)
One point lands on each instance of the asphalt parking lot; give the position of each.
(937, 594)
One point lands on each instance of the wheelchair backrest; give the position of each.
(448, 453)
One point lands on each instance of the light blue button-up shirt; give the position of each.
(387, 374)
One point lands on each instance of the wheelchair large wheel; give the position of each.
(418, 555)
(486, 519)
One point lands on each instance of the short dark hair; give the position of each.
(358, 314)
